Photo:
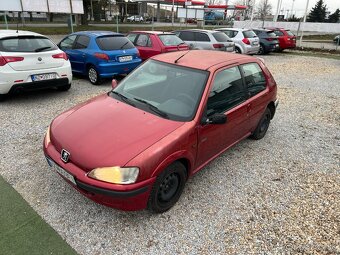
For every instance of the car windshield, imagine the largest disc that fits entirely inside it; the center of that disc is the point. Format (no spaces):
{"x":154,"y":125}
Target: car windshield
{"x":249,"y":34}
{"x":114,"y":43}
{"x":170,"y":40}
{"x":221,"y":37}
{"x":166,"y":90}
{"x":289,"y":33}
{"x":26,"y":44}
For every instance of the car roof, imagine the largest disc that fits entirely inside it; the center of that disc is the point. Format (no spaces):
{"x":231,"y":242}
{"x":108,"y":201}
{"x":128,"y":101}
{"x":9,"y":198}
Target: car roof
{"x":197,"y":30}
{"x":262,"y":29}
{"x":96,"y":33}
{"x":276,"y":28}
{"x":11,"y":32}
{"x":201,"y":59}
{"x":153,"y":32}
{"x":233,"y":29}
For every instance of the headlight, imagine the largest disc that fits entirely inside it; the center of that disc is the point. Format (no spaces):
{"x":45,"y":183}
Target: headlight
{"x":116,"y":174}
{"x":47,"y":137}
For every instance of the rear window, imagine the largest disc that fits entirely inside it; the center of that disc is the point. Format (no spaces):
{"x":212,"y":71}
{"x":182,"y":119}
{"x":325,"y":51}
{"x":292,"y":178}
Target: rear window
{"x":289,"y":33}
{"x":170,"y":40}
{"x":249,"y":34}
{"x":26,"y":44}
{"x":221,"y":37}
{"x":278,"y":33}
{"x":271,"y":34}
{"x":114,"y":43}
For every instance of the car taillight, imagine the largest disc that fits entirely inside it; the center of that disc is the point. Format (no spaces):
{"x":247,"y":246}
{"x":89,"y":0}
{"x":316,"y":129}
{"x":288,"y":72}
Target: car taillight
{"x":246,"y":41}
{"x":7,"y":59}
{"x":218,"y":45}
{"x":60,"y":55}
{"x":101,"y":56}
{"x":270,"y":39}
{"x":138,"y":54}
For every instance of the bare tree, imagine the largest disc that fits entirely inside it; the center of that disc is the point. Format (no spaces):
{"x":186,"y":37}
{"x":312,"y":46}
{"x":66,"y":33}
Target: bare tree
{"x":264,"y":9}
{"x":213,"y":2}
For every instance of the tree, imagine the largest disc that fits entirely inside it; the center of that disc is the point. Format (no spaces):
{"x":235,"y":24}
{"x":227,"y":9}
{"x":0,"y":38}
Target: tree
{"x":318,"y":12}
{"x":87,"y":7}
{"x":334,"y":17}
{"x":294,"y":19}
{"x":264,"y":9}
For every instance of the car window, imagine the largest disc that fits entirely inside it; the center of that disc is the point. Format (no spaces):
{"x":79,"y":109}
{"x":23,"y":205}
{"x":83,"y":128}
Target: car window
{"x":249,"y":34}
{"x":187,"y":36}
{"x":26,"y":44}
{"x":221,"y":37}
{"x":173,"y":89}
{"x":68,"y":42}
{"x":289,"y":33}
{"x":132,"y":37}
{"x":170,"y":40}
{"x":82,"y":42}
{"x":271,"y":34}
{"x":227,"y":91}
{"x":143,"y":40}
{"x":254,"y":78}
{"x":278,"y":33}
{"x":114,"y":42}
{"x":230,"y":33}
{"x":201,"y":37}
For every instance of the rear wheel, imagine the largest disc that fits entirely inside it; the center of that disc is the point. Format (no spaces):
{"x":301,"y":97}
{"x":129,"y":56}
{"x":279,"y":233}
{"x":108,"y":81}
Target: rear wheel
{"x":168,"y":188}
{"x":64,"y":88}
{"x":93,"y":75}
{"x":263,"y":125}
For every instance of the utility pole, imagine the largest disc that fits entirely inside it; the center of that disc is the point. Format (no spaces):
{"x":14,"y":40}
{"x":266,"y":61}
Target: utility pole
{"x":291,"y":15}
{"x":172,"y":13}
{"x":304,"y":21}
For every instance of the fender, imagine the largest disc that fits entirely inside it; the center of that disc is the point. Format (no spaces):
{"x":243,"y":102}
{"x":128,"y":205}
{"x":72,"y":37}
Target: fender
{"x":183,"y":154}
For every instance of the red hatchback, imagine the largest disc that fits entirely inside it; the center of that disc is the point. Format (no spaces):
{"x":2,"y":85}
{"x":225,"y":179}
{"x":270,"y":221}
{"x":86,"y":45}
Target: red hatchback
{"x":151,"y":43}
{"x":136,"y":146}
{"x":287,"y":39}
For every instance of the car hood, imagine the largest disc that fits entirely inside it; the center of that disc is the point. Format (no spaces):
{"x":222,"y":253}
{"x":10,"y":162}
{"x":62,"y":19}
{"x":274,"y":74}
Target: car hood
{"x":107,"y":132}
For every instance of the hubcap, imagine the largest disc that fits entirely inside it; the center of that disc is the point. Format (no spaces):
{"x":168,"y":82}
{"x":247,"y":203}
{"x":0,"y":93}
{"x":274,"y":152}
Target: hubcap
{"x":92,"y":75}
{"x":168,"y":188}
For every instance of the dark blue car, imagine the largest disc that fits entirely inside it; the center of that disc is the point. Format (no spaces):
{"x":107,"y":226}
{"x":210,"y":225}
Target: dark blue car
{"x":100,"y":54}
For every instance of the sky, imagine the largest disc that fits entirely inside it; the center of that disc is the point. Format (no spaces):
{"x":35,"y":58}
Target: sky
{"x":299,"y":5}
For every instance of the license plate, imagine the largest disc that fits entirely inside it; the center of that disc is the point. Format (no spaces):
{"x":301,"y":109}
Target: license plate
{"x":43,"y":77}
{"x":124,"y":59}
{"x":61,"y":171}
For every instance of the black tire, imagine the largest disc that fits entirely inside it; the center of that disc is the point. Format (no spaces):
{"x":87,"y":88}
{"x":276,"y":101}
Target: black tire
{"x":263,"y":125}
{"x":168,"y":188}
{"x":3,"y":97}
{"x":64,"y":88}
{"x":238,"y":50}
{"x":262,"y":50}
{"x":93,"y":75}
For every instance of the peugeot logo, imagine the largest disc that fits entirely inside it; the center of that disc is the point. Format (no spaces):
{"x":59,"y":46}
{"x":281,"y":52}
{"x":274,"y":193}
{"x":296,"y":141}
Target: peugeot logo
{"x":39,"y":58}
{"x":65,"y":155}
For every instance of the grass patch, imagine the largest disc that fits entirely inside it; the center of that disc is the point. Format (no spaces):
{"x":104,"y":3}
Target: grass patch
{"x":313,"y":54}
{"x":23,"y":231}
{"x":320,"y":37}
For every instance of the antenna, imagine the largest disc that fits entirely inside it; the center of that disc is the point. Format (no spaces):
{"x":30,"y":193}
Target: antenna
{"x":181,"y":56}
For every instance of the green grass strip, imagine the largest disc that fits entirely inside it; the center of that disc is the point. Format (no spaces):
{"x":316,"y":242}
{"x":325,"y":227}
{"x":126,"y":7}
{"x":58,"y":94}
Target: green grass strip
{"x":22,"y":230}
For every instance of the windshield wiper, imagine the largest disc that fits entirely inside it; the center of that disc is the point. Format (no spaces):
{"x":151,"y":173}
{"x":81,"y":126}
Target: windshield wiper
{"x":124,"y":44}
{"x":42,"y":48}
{"x":124,"y":98}
{"x":153,"y":108}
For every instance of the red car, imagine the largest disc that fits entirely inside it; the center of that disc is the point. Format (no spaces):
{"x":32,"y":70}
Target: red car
{"x":151,"y":43}
{"x":136,"y":146}
{"x":287,"y":40}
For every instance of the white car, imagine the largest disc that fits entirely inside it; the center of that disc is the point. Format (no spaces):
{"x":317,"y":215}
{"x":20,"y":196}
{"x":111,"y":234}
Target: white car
{"x":135,"y":18}
{"x":30,"y":61}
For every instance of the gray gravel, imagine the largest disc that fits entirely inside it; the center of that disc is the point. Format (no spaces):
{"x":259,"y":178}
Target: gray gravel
{"x":279,"y":195}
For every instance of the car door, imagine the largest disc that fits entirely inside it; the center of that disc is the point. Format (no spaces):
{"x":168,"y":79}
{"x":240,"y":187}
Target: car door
{"x":227,"y":96}
{"x":66,"y":45}
{"x":257,"y":90}
{"x":80,"y":53}
{"x":144,"y":46}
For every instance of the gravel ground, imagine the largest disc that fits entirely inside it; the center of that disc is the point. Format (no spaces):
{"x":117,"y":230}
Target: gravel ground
{"x":279,"y":195}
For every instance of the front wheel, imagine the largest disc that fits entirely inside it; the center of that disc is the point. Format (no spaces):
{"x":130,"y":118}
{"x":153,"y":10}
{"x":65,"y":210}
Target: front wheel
{"x":93,"y":75}
{"x":167,"y":188}
{"x":238,"y":50}
{"x":262,"y":50}
{"x":262,"y":126}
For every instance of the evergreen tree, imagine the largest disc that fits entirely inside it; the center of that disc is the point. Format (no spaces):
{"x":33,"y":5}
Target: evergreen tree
{"x":334,"y":17}
{"x":318,"y":12}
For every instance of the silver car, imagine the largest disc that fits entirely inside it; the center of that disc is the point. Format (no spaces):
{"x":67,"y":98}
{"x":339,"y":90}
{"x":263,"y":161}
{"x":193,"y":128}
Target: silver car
{"x":199,"y":39}
{"x":246,"y":41}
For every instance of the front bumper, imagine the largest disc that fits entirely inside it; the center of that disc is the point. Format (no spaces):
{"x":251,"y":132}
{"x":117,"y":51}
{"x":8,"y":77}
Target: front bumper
{"x":129,"y":197}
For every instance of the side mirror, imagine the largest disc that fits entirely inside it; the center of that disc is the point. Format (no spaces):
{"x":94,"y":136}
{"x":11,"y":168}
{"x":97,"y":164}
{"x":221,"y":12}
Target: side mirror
{"x":217,"y":118}
{"x":114,"y":83}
